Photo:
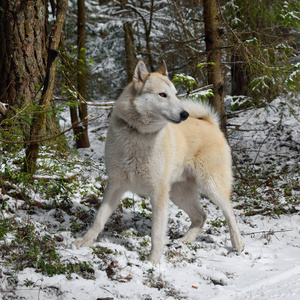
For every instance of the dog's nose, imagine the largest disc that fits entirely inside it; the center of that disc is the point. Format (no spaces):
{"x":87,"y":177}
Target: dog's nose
{"x":184,"y":115}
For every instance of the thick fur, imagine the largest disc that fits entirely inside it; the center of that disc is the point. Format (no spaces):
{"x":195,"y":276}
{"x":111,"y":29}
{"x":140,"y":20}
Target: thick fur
{"x":151,"y":149}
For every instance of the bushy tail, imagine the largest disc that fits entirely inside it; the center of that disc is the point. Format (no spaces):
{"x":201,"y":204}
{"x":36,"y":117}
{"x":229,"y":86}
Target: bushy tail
{"x":201,"y":110}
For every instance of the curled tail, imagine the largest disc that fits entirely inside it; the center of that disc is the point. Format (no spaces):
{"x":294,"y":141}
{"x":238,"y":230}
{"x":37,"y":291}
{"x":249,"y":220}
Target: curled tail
{"x":201,"y":110}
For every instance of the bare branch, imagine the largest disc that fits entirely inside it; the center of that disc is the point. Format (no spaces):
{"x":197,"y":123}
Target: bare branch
{"x":44,"y":139}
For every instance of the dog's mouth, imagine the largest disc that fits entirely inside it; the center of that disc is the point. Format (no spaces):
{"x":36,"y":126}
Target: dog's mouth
{"x":183,"y":116}
{"x":172,"y":121}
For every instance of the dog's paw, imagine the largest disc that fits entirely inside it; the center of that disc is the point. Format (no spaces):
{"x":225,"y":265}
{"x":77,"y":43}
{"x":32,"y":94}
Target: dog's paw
{"x":154,"y":259}
{"x":187,"y":238}
{"x":83,"y":242}
{"x":191,"y":235}
{"x":238,"y":245}
{"x":181,"y":240}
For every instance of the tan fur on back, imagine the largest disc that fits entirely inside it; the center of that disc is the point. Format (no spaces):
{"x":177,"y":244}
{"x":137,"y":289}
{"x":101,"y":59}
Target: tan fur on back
{"x":200,"y":110}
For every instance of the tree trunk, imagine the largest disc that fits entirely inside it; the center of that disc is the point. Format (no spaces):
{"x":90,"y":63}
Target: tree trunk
{"x":213,"y":49}
{"x":39,"y":117}
{"x":23,"y":50}
{"x":148,"y":41}
{"x":81,"y":131}
{"x":148,"y":28}
{"x":240,"y":77}
{"x":129,"y":45}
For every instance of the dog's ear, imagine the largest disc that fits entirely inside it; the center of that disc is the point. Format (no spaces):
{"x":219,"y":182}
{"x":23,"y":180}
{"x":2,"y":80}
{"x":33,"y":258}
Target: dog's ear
{"x":140,"y":73}
{"x":162,"y":69}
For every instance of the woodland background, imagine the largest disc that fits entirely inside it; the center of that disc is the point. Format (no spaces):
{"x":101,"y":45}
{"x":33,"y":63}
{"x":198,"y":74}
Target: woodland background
{"x":63,"y":64}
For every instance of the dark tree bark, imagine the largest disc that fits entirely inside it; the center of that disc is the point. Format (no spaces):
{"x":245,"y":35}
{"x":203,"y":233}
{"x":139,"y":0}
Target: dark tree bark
{"x":148,"y":41}
{"x":213,"y":48}
{"x":23,"y":49}
{"x":240,"y":76}
{"x":129,"y":45}
{"x":147,"y":28}
{"x":81,"y":131}
{"x":39,"y":117}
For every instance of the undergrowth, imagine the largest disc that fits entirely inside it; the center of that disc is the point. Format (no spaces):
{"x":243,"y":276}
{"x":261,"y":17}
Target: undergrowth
{"x":26,"y":246}
{"x":266,"y":189}
{"x":37,"y":212}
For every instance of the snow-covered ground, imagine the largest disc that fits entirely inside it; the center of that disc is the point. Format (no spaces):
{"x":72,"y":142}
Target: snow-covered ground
{"x":268,"y":268}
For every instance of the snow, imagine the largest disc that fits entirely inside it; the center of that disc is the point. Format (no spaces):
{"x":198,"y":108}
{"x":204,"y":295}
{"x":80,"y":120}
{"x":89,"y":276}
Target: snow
{"x":268,"y":268}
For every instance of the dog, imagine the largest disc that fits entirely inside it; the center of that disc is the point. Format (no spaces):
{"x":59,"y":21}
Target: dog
{"x":161,"y":147}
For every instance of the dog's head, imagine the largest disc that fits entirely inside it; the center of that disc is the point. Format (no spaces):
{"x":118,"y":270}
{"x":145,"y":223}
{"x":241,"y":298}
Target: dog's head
{"x":156,"y":95}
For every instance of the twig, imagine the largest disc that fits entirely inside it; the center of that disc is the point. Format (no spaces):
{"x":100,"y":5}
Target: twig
{"x":238,"y":126}
{"x":267,"y":231}
{"x":87,"y":103}
{"x":18,"y":113}
{"x":45,"y":139}
{"x":238,"y":169}
{"x":267,"y":136}
{"x":6,"y":90}
{"x":204,"y":88}
{"x":106,"y":290}
{"x":57,"y":178}
{"x":233,"y":33}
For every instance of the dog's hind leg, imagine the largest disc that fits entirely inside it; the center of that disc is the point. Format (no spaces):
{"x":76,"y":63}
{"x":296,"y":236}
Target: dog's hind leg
{"x":112,"y":195}
{"x":159,"y":202}
{"x":218,"y":192}
{"x":184,"y":195}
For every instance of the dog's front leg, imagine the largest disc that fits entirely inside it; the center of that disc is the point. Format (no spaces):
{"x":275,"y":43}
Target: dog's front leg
{"x":112,"y":195}
{"x":159,"y":225}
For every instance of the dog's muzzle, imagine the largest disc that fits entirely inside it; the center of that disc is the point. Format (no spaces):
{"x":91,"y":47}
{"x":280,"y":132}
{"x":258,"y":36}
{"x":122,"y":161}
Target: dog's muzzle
{"x":184,"y":115}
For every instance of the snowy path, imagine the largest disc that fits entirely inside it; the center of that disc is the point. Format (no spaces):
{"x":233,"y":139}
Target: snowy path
{"x":269,"y":268}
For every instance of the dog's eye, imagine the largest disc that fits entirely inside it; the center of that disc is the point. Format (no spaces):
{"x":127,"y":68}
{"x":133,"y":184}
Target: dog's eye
{"x":164,"y":95}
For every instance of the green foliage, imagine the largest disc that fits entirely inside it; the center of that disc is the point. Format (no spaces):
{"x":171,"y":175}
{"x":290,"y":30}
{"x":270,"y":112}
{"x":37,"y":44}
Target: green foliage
{"x":187,"y":84}
{"x":217,"y":223}
{"x":260,"y":33}
{"x":30,"y":248}
{"x":102,"y":252}
{"x":15,"y":133}
{"x":75,"y":227}
{"x":128,"y":203}
{"x":6,"y":225}
{"x":145,"y":242}
{"x":264,"y":43}
{"x":102,"y":138}
{"x":265,"y":190}
{"x":70,"y":64}
{"x":293,"y":77}
{"x":55,"y":179}
{"x":15,"y":128}
{"x":37,"y":251}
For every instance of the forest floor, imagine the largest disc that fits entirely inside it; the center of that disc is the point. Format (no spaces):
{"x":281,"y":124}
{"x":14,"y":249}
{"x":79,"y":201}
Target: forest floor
{"x":40,"y":218}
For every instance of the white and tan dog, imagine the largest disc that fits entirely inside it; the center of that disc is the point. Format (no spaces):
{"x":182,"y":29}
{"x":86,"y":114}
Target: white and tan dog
{"x":148,"y":152}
